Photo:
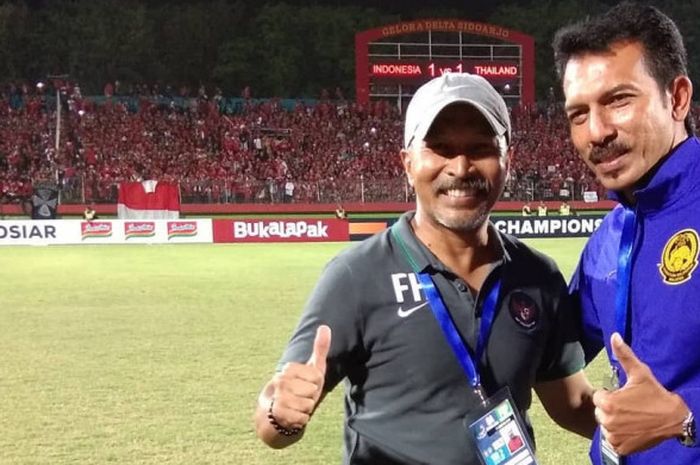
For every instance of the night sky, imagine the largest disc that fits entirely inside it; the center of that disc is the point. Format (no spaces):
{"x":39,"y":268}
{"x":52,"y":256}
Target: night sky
{"x":473,"y":9}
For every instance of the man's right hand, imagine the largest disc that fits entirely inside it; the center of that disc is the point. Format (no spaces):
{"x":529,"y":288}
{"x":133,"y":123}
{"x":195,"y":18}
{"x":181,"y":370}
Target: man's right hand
{"x":297,"y":389}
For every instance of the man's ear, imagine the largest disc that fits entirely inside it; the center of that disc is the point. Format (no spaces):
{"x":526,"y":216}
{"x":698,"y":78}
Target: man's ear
{"x":681,"y":97}
{"x":407,"y":162}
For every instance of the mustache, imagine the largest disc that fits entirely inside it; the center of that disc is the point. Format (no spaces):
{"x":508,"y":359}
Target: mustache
{"x":473,"y":183}
{"x":609,"y":151}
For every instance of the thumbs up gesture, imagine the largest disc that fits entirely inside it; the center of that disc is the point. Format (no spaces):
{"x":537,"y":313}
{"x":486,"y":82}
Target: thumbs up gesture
{"x":299,"y":386}
{"x":641,"y":413}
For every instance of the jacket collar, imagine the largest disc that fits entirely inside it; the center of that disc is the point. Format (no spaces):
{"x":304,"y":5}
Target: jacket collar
{"x":673,"y":176}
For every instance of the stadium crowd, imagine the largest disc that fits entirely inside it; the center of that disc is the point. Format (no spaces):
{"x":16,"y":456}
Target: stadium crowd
{"x":333,"y":150}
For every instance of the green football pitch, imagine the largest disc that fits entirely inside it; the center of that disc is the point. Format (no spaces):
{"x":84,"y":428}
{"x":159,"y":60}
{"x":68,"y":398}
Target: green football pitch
{"x":155,"y":354}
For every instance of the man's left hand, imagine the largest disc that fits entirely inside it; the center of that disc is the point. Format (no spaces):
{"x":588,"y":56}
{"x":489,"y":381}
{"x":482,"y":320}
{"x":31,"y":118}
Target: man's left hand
{"x":640,"y":414}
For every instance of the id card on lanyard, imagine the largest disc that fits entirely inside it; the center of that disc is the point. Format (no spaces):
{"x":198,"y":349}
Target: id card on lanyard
{"x":624,"y":273}
{"x":498,"y":433}
{"x":495,"y":428}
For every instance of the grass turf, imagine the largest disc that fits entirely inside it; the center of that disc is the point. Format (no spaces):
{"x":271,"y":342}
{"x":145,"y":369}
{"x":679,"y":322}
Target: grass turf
{"x":155,"y":354}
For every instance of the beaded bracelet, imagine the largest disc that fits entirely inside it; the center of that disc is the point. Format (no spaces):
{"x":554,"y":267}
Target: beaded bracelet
{"x":279,"y":428}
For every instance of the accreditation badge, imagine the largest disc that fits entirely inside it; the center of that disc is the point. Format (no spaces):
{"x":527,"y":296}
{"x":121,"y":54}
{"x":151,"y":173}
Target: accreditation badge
{"x":608,"y":456}
{"x":498,"y":433}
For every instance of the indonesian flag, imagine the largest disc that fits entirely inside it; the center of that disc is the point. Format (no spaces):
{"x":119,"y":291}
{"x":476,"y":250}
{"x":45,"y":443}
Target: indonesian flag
{"x":148,"y":200}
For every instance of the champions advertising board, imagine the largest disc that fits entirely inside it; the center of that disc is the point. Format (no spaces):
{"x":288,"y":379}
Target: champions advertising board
{"x":52,"y":232}
{"x":518,"y":226}
{"x":281,"y":230}
{"x":547,"y":226}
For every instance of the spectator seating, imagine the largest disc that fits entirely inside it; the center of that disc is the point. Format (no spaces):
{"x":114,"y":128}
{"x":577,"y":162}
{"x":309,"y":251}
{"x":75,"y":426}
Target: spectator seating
{"x":331,"y":151}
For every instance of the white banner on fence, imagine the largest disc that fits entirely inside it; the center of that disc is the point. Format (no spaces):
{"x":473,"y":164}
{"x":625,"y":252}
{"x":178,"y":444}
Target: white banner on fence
{"x":590,"y":196}
{"x":50,"y":232}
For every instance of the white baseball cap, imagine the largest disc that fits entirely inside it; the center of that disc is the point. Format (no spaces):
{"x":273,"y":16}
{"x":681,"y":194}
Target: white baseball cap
{"x":432,"y":97}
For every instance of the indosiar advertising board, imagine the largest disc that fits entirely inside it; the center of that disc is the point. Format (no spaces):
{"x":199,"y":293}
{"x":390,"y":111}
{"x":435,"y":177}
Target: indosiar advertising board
{"x":54,"y":232}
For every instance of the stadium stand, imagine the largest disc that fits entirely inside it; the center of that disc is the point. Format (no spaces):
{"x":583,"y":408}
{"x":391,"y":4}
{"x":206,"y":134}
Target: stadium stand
{"x":330,"y":151}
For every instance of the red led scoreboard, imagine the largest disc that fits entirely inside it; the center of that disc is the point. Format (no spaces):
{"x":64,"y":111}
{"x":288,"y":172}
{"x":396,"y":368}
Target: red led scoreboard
{"x":421,"y":71}
{"x":393,"y":61}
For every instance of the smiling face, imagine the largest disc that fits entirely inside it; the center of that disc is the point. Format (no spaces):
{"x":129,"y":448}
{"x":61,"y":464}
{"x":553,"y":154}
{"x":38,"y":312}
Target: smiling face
{"x":458,"y":171}
{"x":621,"y":122}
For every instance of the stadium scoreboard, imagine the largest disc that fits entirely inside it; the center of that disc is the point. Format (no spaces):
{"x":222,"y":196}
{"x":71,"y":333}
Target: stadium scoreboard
{"x":421,"y":71}
{"x":394,"y":60}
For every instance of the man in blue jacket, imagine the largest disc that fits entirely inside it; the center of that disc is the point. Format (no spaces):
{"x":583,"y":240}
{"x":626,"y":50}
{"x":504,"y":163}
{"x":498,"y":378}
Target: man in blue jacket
{"x":628,"y":99}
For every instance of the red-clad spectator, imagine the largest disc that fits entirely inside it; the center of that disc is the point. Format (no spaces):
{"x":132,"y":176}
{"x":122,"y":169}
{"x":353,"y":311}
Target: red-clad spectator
{"x":108,"y":90}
